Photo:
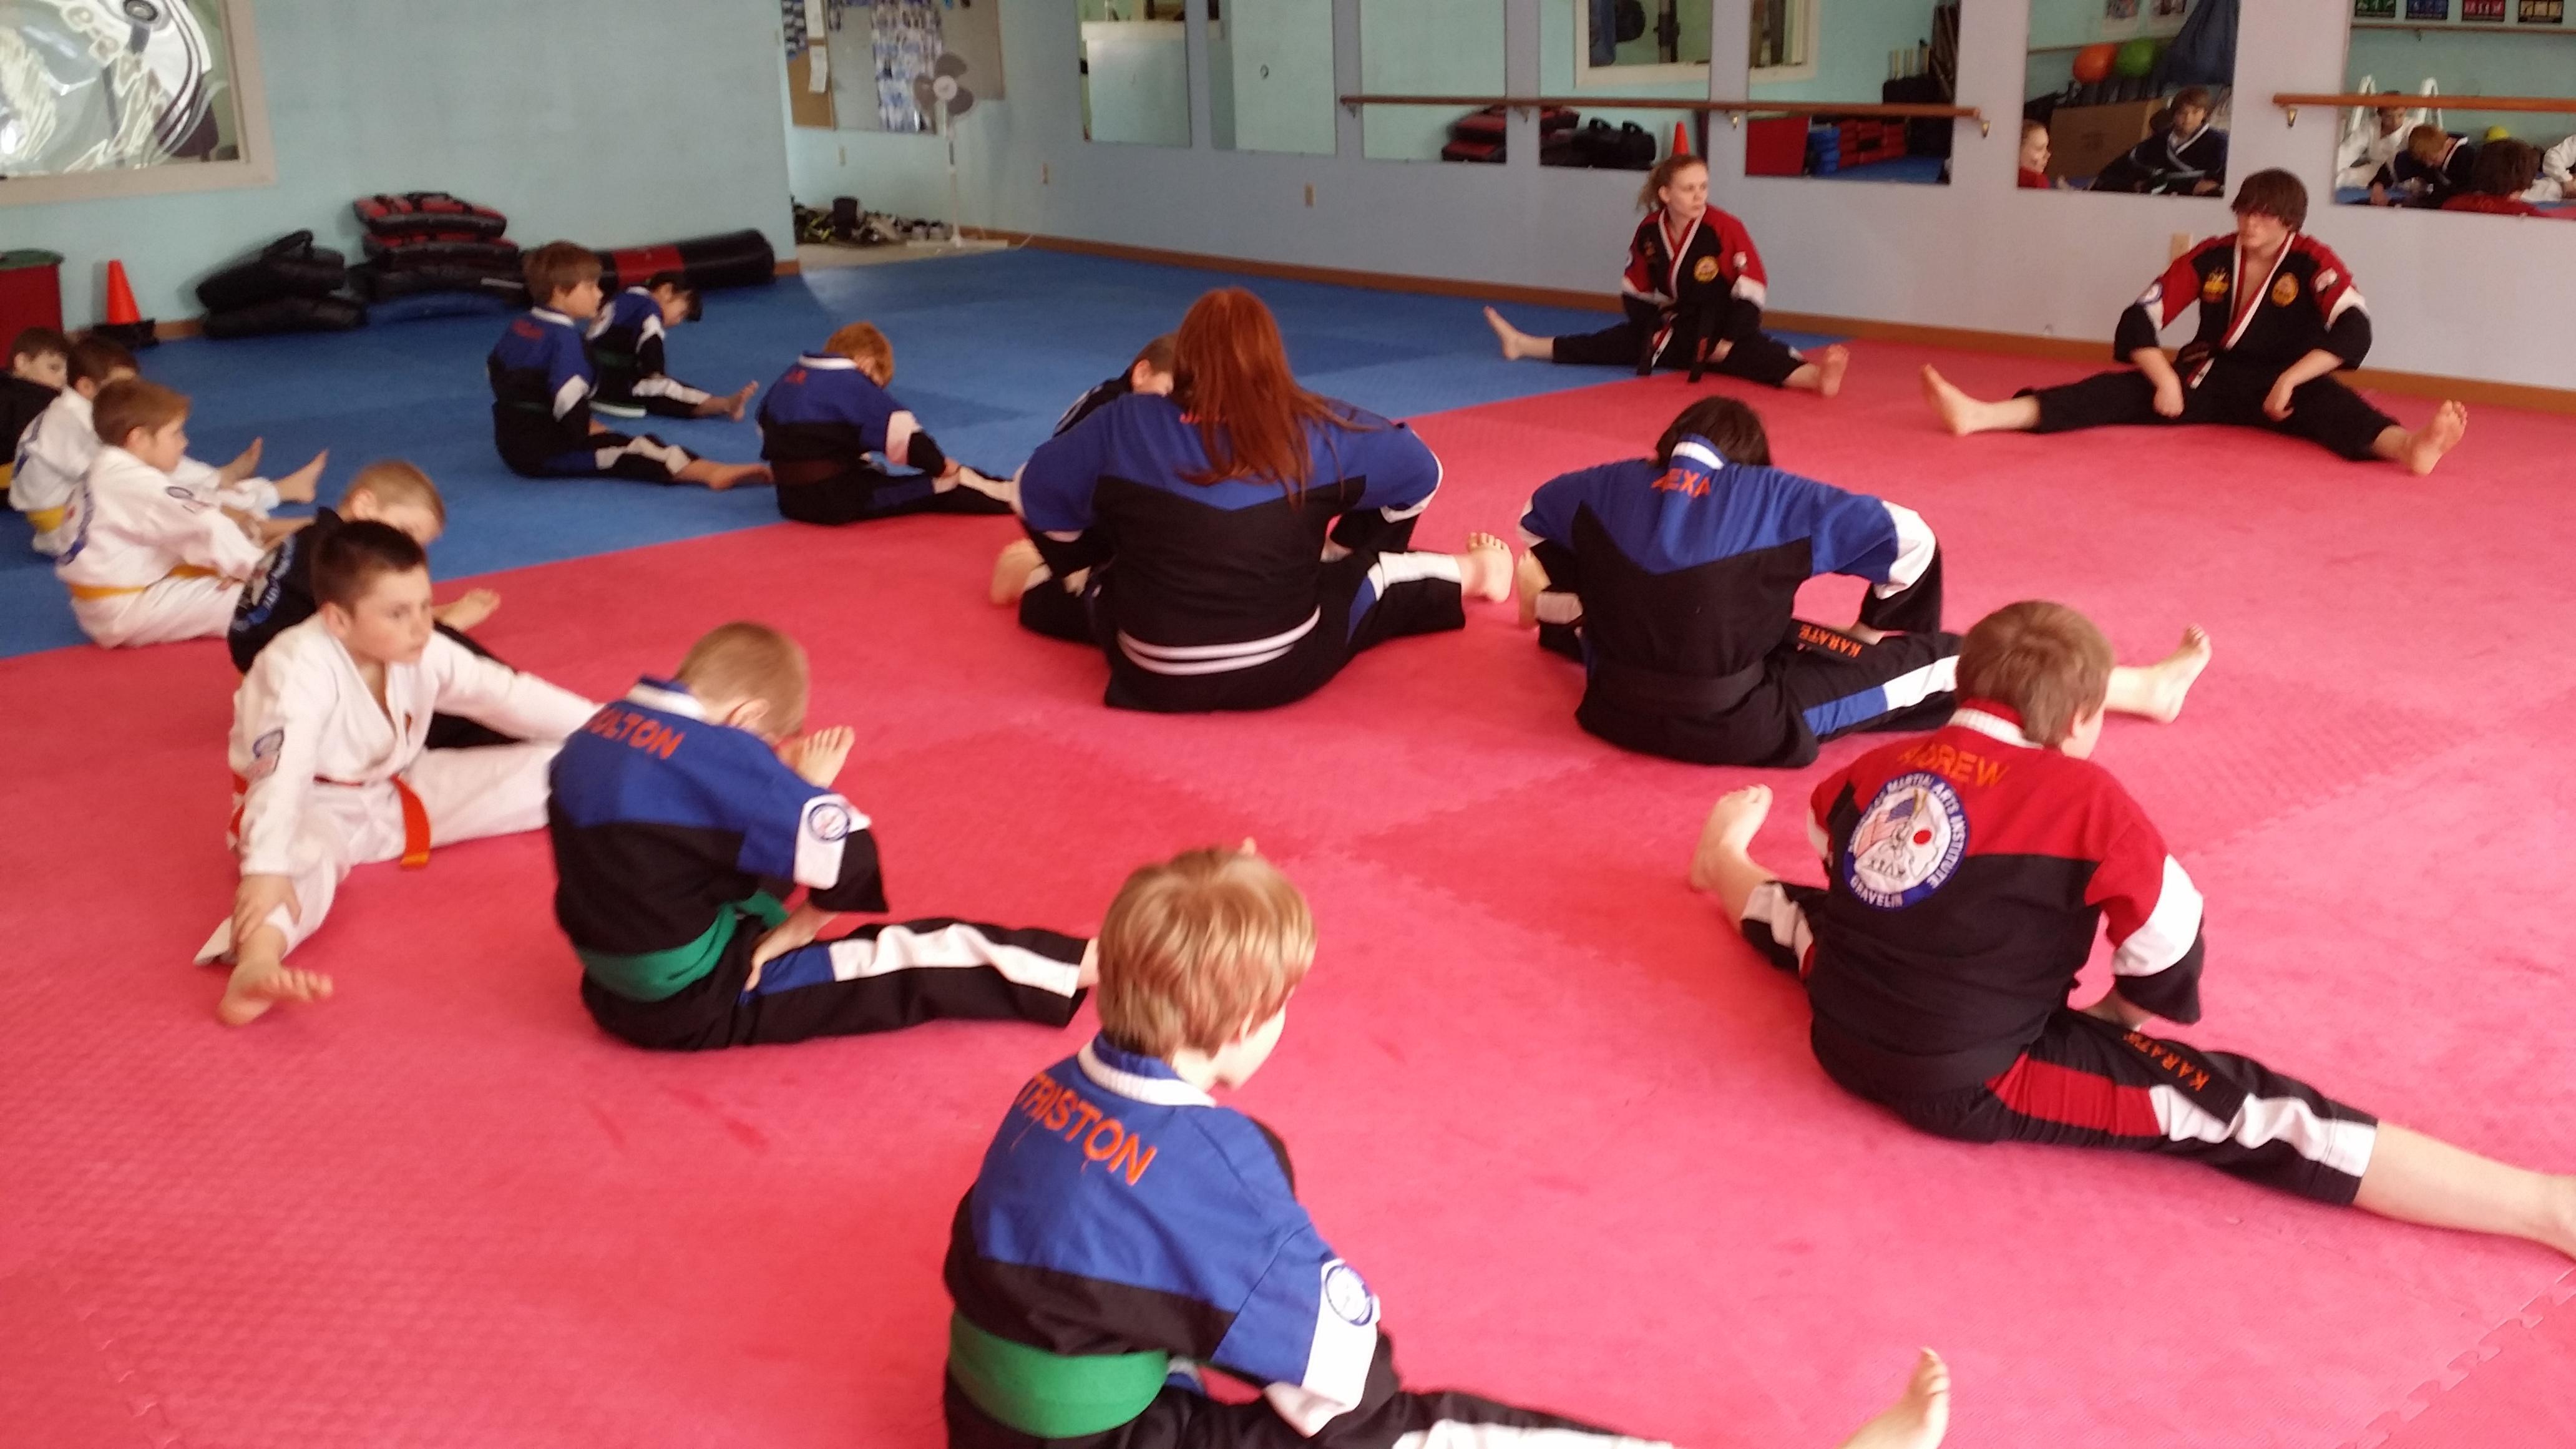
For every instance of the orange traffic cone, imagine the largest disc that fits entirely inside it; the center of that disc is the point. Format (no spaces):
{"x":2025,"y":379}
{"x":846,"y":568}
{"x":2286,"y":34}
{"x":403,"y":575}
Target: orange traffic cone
{"x":1681,"y":139}
{"x":121,"y":310}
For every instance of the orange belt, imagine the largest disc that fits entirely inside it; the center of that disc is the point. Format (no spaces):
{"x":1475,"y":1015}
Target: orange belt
{"x":415,"y":815}
{"x":102,"y":591}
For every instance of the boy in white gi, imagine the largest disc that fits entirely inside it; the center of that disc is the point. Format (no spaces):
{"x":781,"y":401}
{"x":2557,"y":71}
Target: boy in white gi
{"x":329,"y":764}
{"x":57,"y":449}
{"x":146,"y":558}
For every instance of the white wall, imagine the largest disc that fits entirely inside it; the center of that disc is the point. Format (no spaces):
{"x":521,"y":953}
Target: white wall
{"x":2466,"y":296}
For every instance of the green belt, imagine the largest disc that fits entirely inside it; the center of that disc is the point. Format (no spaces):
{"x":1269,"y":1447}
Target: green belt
{"x":661,"y":975}
{"x":1051,"y":1395}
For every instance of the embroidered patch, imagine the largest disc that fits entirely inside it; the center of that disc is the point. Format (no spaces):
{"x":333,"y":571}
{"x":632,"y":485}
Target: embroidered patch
{"x":2285,"y":291}
{"x":828,"y":821}
{"x":187,"y":498}
{"x":1908,"y":842}
{"x":263,"y":754}
{"x":1706,"y":271}
{"x":1348,"y":1295}
{"x":2326,"y":279}
{"x":2213,"y":286}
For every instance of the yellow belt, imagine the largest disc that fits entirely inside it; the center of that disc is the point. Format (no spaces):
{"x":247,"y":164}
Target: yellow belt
{"x":101,"y":591}
{"x":46,"y":520}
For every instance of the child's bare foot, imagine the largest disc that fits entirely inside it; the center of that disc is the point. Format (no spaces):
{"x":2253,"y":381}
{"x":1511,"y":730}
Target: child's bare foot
{"x":1831,"y":364}
{"x":1517,"y":344}
{"x":243,"y":466}
{"x":1957,"y":409}
{"x":731,"y":404}
{"x":2427,"y":444}
{"x":1485,"y":569}
{"x":1012,"y":569}
{"x":721,"y":476}
{"x":256,"y":986}
{"x":299,"y":486}
{"x":1728,"y":833}
{"x":1529,"y":580}
{"x":2170,"y":678}
{"x":1919,"y":1418}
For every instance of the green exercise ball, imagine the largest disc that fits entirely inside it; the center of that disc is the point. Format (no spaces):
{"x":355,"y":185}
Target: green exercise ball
{"x":2138,"y":58}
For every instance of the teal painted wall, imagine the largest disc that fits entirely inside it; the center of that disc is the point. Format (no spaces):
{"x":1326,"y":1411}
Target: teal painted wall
{"x":609,"y":121}
{"x":1427,"y":48}
{"x":2475,"y":60}
{"x":1290,"y":108}
{"x":1851,"y":54}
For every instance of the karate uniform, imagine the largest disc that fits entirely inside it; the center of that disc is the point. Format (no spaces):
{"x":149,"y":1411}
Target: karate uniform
{"x":830,"y":434}
{"x":2361,"y":154}
{"x":673,"y":838}
{"x":326,"y":780}
{"x":1676,"y":586}
{"x":1093,"y":401}
{"x":1210,"y":596}
{"x":147,"y":559}
{"x":55,"y":453}
{"x":2557,"y":180}
{"x":2420,"y":183}
{"x":541,"y":389}
{"x":626,"y":351}
{"x":279,"y":596}
{"x":1967,"y":875}
{"x":21,"y":403}
{"x":2168,"y":165}
{"x":1704,"y":282}
{"x":2252,"y":328}
{"x":1125,"y":1230}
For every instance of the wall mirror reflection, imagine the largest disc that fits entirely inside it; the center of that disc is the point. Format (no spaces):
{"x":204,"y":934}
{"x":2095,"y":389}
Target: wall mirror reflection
{"x":1612,"y":50}
{"x":2129,"y":95}
{"x":1429,"y":48}
{"x":876,"y":51}
{"x":1135,"y":72}
{"x":1270,"y":75}
{"x":1890,"y":52}
{"x":2431,"y":153}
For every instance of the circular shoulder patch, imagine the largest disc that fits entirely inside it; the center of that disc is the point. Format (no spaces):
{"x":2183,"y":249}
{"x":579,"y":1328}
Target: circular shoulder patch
{"x":1908,"y":842}
{"x":2285,"y":291}
{"x":1348,"y":1295}
{"x":829,"y":820}
{"x":1706,"y":271}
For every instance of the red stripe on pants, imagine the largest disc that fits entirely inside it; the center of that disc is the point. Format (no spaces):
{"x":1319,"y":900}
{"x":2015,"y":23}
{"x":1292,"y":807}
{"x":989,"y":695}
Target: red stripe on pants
{"x":2052,"y":1093}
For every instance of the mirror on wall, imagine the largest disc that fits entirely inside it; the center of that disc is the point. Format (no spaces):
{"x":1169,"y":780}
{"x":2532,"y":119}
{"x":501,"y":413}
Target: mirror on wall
{"x":1428,"y":48}
{"x":1607,"y":51}
{"x":169,"y":96}
{"x":2129,"y":95}
{"x":877,"y":49}
{"x":1270,"y":75}
{"x":1135,"y":72}
{"x":2428,"y":154}
{"x":1886,"y":52}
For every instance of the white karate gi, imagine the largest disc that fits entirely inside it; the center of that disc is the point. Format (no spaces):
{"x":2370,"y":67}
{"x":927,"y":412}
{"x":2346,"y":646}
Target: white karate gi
{"x":55,"y":454}
{"x":148,"y":559}
{"x":326,"y":780}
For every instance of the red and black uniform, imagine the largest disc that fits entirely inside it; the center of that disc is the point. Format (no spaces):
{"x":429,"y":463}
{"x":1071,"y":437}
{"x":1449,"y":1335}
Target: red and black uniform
{"x":2252,"y":328}
{"x":1967,"y":874}
{"x":1684,"y":285}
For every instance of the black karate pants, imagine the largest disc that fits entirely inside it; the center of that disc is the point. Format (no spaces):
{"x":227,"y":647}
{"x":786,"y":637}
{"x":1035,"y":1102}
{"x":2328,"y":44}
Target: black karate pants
{"x":2323,"y":410}
{"x":455,"y":732}
{"x":860,"y":493}
{"x":1756,"y":357}
{"x":1363,"y":599}
{"x":876,"y":978}
{"x":609,"y":455}
{"x":1183,"y":1418}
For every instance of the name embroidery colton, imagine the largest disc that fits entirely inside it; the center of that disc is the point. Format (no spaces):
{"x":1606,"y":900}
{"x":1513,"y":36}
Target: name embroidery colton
{"x":1908,"y":842}
{"x":641,"y":731}
{"x":1104,"y":1139}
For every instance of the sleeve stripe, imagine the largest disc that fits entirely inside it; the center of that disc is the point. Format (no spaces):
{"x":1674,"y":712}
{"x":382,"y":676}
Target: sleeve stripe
{"x":1914,"y":549}
{"x":2167,"y":934}
{"x":569,"y":396}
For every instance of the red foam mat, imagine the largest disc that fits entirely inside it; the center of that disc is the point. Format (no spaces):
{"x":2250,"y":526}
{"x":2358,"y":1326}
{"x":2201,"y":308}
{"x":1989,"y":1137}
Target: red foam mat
{"x":1566,"y":1123}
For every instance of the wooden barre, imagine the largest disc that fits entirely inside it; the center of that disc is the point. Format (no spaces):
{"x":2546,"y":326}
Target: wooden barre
{"x":2404,"y":101}
{"x":1736,"y":111}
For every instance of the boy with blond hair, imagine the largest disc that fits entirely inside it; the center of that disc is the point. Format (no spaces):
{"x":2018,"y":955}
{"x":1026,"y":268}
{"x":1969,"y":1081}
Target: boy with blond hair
{"x":280,"y":593}
{"x":1967,"y":874}
{"x":681,"y":817}
{"x":331,"y":762}
{"x":1126,"y":1229}
{"x":831,"y":432}
{"x":543,"y":381}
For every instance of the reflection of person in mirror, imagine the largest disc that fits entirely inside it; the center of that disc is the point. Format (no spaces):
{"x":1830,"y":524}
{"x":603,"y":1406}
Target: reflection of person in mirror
{"x":2279,"y":313}
{"x":2034,"y":158}
{"x":2434,"y":166}
{"x":2505,"y":170}
{"x":2366,"y":149}
{"x":2186,"y":157}
{"x":2557,"y":174}
{"x":1693,"y":290}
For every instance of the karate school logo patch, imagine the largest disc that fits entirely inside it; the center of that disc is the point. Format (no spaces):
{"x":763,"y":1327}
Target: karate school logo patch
{"x":1348,"y":1295}
{"x":1706,"y":271}
{"x":829,"y":821}
{"x":263,"y":754}
{"x":2213,"y":286}
{"x":1908,"y":843}
{"x":2285,"y":291}
{"x":187,"y":497}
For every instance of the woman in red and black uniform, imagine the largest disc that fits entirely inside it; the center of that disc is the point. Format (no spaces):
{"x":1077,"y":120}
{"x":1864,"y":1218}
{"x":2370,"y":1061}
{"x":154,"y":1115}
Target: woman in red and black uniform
{"x":1693,"y":291}
{"x":2279,"y":315}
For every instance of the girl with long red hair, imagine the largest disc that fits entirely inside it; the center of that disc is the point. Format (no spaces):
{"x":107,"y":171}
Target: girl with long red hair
{"x":1231,"y":546}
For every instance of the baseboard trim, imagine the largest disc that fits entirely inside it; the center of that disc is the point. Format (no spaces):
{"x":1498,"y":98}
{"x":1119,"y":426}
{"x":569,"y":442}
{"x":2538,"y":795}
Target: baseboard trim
{"x":787,"y":267}
{"x":2015,"y":344}
{"x":173,"y":331}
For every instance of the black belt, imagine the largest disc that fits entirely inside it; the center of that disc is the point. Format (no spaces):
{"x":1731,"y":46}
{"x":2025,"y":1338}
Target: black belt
{"x":1653,"y":691}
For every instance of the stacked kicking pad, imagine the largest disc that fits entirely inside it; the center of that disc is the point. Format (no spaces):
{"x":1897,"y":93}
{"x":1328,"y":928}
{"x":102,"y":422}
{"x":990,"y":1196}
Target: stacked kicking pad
{"x":290,"y":285}
{"x":433,"y":245}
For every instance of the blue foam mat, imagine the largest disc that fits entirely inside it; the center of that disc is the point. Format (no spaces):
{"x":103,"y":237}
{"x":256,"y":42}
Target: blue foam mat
{"x":990,"y":348}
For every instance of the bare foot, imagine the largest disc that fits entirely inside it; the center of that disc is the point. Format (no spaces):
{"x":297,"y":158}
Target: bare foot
{"x":722,"y":476}
{"x":298,"y":486}
{"x":243,"y":466}
{"x":1485,"y":569}
{"x":1012,"y":570}
{"x":1728,"y":832}
{"x":2429,"y":442}
{"x":1954,"y":406}
{"x":1529,"y":580}
{"x":1517,"y":344}
{"x":1831,"y":364}
{"x":735,"y":404}
{"x":1919,"y":1418}
{"x":2169,"y":679}
{"x":1863,"y":632}
{"x":254,"y":988}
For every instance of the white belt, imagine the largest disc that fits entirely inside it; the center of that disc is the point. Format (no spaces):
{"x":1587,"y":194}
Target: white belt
{"x":1213,"y":658}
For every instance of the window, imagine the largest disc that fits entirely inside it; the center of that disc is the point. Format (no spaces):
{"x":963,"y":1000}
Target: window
{"x":1784,"y":40}
{"x":1644,"y":42}
{"x":102,"y":98}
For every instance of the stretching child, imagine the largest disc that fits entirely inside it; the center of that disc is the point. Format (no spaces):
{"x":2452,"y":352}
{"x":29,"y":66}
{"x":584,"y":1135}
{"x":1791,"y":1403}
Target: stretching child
{"x":1968,"y":872}
{"x":280,"y":593}
{"x":626,"y":346}
{"x":1674,"y":579}
{"x":2279,"y":315}
{"x":58,"y":448}
{"x":1020,"y":566}
{"x":830,"y":431}
{"x":1150,"y":373}
{"x":39,"y":365}
{"x":331,"y":763}
{"x":147,"y":559}
{"x":1126,"y":1230}
{"x":542,"y":383}
{"x":683,"y":812}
